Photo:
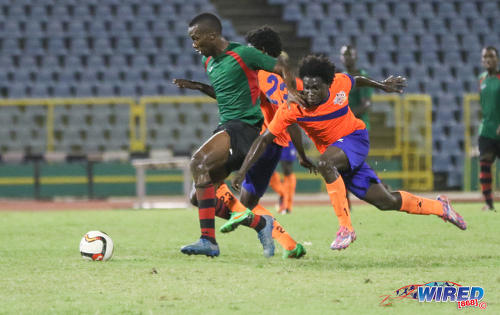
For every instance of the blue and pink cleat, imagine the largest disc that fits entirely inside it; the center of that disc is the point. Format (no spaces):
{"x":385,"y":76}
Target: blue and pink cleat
{"x":344,"y":238}
{"x":450,"y":215}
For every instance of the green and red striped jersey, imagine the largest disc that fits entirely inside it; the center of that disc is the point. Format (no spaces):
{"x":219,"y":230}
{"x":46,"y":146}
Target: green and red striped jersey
{"x":233,"y":75}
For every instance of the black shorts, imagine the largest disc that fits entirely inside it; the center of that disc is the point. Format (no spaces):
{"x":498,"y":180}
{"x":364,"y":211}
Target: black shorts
{"x":242,"y":136}
{"x":488,"y":145}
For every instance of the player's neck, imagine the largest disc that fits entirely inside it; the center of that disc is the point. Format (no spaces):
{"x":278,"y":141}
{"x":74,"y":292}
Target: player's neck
{"x":352,"y":69}
{"x":493,"y":71}
{"x":221,"y":45}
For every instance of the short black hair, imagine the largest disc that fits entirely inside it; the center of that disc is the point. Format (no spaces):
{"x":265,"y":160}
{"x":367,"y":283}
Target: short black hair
{"x":317,"y":66}
{"x":210,"y":20}
{"x":492,"y":48}
{"x":267,"y":39}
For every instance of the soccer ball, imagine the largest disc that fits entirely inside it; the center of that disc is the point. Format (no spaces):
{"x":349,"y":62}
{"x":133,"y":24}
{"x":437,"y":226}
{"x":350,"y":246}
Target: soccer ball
{"x":96,"y":245}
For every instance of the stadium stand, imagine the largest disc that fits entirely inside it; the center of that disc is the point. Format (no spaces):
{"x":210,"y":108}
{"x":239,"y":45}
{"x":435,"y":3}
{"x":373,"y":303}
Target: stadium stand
{"x":133,"y":48}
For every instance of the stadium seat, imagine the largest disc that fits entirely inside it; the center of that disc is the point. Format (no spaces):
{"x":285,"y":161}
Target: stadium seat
{"x":402,"y":10}
{"x":424,"y":10}
{"x":489,"y":9}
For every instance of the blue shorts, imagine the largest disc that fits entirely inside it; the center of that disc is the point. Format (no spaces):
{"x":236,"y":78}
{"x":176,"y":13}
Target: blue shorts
{"x":360,"y":175}
{"x":289,"y":153}
{"x":258,"y":176}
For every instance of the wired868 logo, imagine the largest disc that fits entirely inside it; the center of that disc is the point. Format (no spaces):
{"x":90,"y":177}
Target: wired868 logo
{"x":439,"y":291}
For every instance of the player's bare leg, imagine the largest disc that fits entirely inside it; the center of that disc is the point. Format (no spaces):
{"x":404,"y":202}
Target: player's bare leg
{"x":208,"y":160}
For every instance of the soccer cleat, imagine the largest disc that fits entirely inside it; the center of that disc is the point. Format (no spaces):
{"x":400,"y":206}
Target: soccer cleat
{"x":201,"y":247}
{"x":266,"y":236}
{"x":449,"y":214}
{"x":344,"y":238}
{"x":297,"y":252}
{"x":235,"y":220}
{"x":488,"y":208}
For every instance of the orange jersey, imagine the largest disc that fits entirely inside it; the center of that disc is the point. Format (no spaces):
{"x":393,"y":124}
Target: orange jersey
{"x":325,"y":123}
{"x":273,"y":95}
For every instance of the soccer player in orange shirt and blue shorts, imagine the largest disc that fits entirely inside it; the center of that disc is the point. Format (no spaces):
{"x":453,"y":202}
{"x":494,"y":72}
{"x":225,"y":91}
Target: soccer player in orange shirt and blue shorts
{"x":343,"y":142}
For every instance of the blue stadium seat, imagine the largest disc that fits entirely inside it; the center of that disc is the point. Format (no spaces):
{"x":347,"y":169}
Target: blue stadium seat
{"x":320,"y":44}
{"x":415,"y":27}
{"x":480,"y":26}
{"x":491,"y":39}
{"x":39,"y":90}
{"x":117,"y":61}
{"x":452,"y":57}
{"x":62,"y":89}
{"x":33,"y":29}
{"x":105,"y":89}
{"x":394,"y":26}
{"x":381,"y":10}
{"x":17,"y":90}
{"x":56,"y":46}
{"x":33,"y":46}
{"x":436,"y":26}
{"x":470,"y":41}
{"x":306,"y":28}
{"x":446,"y":10}
{"x":102,"y":46}
{"x":458,"y":25}
{"x":402,"y":10}
{"x":424,"y":10}
{"x":386,"y":42}
{"x":468,"y":9}
{"x":336,"y":9}
{"x":490,"y":9}
{"x":79,"y":46}
{"x":83,"y":89}
{"x":372,"y":27}
{"x":350,"y":27}
{"x":291,"y":12}
{"x":314,"y":11}
{"x":428,"y":43}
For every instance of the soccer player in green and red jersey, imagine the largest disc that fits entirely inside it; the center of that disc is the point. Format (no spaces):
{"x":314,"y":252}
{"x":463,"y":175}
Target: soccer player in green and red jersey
{"x":232,"y":71}
{"x":489,"y":130}
{"x":359,"y":97}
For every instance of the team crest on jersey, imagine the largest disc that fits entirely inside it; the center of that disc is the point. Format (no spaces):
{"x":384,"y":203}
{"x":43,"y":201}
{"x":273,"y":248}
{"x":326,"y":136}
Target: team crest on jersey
{"x":340,"y":98}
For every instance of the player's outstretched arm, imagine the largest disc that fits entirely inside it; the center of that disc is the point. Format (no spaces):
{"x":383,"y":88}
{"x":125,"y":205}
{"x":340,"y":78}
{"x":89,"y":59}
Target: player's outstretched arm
{"x":296,"y":136}
{"x":391,"y":84}
{"x":282,"y":68}
{"x":258,"y":147}
{"x":195,"y":85}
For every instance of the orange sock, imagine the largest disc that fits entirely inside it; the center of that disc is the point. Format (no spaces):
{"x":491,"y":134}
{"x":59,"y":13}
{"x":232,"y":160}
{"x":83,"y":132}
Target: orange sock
{"x":276,"y":184}
{"x":290,"y":182}
{"x":418,"y":205}
{"x":336,"y":191}
{"x":279,"y":233}
{"x":226,"y":196}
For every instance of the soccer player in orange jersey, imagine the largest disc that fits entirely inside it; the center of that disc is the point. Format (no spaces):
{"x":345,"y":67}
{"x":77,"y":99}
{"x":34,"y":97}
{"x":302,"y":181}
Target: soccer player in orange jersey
{"x":343,"y":142}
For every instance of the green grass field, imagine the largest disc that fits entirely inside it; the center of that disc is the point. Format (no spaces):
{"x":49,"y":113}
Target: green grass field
{"x":41,"y":270}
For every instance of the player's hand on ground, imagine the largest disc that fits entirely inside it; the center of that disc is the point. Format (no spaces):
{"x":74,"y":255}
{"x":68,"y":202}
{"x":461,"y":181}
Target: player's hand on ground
{"x":305,"y":162}
{"x":394,"y":84}
{"x":498,"y":131}
{"x":186,"y":84}
{"x":237,"y":180}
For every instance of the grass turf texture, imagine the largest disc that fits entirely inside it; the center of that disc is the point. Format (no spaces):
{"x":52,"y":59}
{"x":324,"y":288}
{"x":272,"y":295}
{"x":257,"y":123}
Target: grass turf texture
{"x":41,"y":270}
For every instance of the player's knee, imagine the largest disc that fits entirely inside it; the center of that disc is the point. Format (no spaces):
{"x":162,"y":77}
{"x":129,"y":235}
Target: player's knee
{"x":388,"y":203}
{"x":326,"y":167}
{"x":192,"y":197}
{"x":197,"y":165}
